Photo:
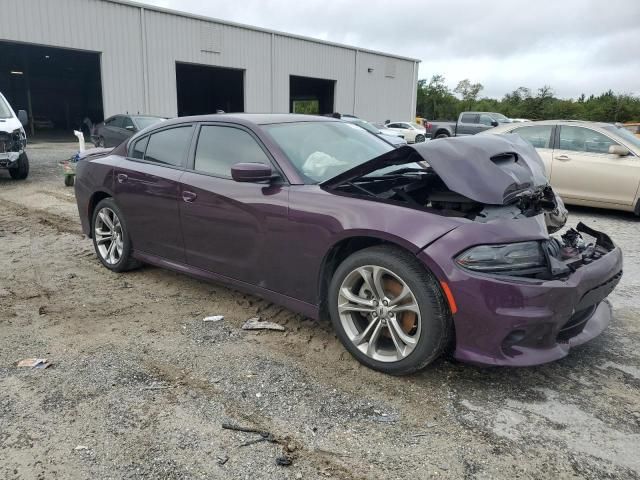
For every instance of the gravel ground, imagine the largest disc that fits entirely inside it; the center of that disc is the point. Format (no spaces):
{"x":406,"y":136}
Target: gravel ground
{"x":139,"y":386}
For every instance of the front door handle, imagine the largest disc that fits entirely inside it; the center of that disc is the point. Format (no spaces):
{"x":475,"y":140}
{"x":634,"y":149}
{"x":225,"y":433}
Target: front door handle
{"x":188,"y":196}
{"x":563,"y":157}
{"x":122,"y":177}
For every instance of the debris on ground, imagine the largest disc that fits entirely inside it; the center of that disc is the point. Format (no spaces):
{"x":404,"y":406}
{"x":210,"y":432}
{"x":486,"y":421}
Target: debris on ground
{"x":256,"y":324}
{"x":42,"y":310}
{"x":283,"y":460}
{"x":264,"y":435}
{"x":155,"y":386}
{"x":213,"y":318}
{"x":222,"y":460}
{"x":81,"y":447}
{"x":34,"y":363}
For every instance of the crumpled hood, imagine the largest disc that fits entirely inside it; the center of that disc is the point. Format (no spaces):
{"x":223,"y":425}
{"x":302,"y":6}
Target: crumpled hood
{"x":9,"y":125}
{"x":490,"y":169}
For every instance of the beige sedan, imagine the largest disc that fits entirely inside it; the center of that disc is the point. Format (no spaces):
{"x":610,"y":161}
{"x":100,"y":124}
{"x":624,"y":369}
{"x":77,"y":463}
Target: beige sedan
{"x":587,"y":163}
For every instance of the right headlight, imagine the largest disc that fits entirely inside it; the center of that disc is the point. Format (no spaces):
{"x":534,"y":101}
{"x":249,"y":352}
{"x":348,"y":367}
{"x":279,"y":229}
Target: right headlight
{"x":504,"y":257}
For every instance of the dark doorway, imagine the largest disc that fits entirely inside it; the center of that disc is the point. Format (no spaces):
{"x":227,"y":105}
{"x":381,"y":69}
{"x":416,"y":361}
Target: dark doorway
{"x":203,"y":89}
{"x":59,"y":88}
{"x":311,"y":95}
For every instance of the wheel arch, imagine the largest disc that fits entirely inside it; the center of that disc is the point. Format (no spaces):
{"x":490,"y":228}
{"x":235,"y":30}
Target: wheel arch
{"x":95,"y":198}
{"x":441,"y":131}
{"x":338,"y":252}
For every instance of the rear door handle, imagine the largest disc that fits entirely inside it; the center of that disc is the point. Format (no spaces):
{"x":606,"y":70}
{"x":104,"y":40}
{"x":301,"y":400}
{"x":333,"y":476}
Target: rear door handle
{"x":188,"y":196}
{"x":122,"y":177}
{"x":563,"y":157}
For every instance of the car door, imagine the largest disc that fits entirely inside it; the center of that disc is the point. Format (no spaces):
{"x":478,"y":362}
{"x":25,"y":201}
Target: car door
{"x":147,"y":188}
{"x":128,"y":128}
{"x":397,"y":127}
{"x":583,"y":169}
{"x":467,"y":125}
{"x":485,"y":122}
{"x":408,"y":132}
{"x":233,"y":229}
{"x":112,"y":131}
{"x":541,"y":138}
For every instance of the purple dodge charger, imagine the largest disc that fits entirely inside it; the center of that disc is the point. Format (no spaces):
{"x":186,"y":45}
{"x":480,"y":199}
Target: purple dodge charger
{"x":408,"y":250}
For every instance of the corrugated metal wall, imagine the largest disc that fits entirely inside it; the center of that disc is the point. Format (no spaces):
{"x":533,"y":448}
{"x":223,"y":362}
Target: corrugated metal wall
{"x":139,"y":48}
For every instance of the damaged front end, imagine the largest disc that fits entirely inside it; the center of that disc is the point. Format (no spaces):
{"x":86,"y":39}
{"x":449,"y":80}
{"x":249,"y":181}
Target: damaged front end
{"x":476,"y":178}
{"x":481,"y":179}
{"x":12,"y":145}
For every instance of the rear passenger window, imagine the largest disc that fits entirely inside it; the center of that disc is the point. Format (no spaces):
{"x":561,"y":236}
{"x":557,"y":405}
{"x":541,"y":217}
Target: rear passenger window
{"x":538,"y":136}
{"x":469,"y":118}
{"x":137,"y":151}
{"x":169,"y":146}
{"x":221,"y":147}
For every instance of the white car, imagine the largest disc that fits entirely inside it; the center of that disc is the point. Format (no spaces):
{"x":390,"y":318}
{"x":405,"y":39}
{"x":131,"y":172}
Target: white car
{"x":411,"y":131}
{"x":13,"y":141}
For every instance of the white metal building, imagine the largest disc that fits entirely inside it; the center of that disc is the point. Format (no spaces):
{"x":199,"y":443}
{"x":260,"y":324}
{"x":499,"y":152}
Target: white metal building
{"x":63,"y":60}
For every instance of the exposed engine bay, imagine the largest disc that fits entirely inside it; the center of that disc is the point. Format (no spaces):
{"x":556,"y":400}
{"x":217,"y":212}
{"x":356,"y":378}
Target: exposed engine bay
{"x":423,"y":188}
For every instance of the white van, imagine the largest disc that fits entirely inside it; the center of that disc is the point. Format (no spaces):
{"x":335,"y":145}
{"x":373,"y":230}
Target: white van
{"x":13,"y":141}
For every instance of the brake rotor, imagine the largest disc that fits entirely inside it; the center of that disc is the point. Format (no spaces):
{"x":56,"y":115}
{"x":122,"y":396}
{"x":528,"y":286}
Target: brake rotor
{"x":407,"y":319}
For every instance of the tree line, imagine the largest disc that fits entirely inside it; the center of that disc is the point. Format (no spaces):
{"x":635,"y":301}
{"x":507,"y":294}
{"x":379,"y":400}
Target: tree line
{"x":436,"y":101}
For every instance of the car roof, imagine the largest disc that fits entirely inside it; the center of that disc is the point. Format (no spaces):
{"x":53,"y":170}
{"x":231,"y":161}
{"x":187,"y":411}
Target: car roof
{"x":142,"y":115}
{"x":554,"y":122}
{"x":251,"y":118}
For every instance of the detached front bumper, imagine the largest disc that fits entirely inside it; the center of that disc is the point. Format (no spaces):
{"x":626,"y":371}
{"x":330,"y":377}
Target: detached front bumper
{"x":523,"y":322}
{"x":9,"y":159}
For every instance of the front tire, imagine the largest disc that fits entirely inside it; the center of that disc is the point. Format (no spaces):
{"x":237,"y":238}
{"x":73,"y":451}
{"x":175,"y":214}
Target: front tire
{"x":21,"y":170}
{"x":69,"y":180}
{"x":420,"y":138}
{"x":111,"y":237}
{"x":388,"y":310}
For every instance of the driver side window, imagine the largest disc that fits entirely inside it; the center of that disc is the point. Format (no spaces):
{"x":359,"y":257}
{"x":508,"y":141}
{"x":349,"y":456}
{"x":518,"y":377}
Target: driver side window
{"x":486,"y":120}
{"x":579,"y":139}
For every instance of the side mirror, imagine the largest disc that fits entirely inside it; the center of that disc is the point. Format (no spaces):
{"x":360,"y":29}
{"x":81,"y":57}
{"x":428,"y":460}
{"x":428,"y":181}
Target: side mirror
{"x":23,"y":117}
{"x":619,"y":150}
{"x":494,"y":123}
{"x":251,"y":172}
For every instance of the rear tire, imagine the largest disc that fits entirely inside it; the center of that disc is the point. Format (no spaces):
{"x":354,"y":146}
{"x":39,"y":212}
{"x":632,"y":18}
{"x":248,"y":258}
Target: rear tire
{"x":384,"y":338}
{"x":111,"y":238}
{"x":442,"y":135}
{"x":69,"y":180}
{"x":21,"y":171}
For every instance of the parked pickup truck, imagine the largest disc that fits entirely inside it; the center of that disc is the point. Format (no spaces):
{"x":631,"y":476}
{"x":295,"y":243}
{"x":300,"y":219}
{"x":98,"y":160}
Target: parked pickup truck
{"x":469,"y":123}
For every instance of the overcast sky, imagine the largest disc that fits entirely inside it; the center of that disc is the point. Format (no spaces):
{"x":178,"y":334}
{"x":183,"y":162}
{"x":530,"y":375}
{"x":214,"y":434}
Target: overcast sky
{"x":575,"y":46}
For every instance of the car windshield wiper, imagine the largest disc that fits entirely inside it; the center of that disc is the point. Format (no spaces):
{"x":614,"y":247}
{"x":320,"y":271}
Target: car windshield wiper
{"x":396,"y":173}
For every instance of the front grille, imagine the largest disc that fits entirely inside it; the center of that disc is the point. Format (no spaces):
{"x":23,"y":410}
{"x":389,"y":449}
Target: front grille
{"x":576,"y":324}
{"x":5,"y":142}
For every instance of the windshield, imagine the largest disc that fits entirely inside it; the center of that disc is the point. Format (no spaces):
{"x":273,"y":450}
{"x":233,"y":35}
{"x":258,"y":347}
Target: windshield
{"x":322,"y":150}
{"x":625,"y":134}
{"x":144,"y":122}
{"x":501,"y":118}
{"x":5,"y":111}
